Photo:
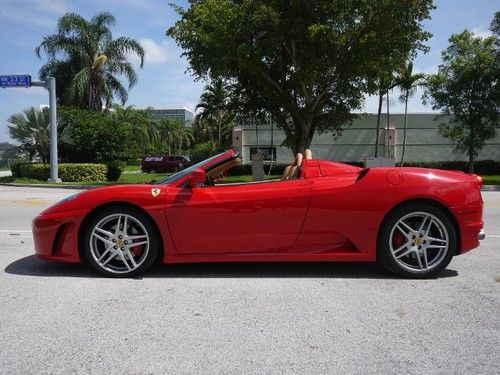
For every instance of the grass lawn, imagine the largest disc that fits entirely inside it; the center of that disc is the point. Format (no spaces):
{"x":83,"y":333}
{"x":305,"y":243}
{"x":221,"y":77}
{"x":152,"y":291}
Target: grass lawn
{"x":131,"y":168}
{"x":491,"y":180}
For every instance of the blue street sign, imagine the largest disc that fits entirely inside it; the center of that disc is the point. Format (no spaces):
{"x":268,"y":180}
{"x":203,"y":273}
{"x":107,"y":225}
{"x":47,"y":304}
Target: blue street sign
{"x":15,"y":81}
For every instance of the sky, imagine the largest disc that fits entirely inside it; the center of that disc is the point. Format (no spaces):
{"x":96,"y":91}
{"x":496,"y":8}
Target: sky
{"x":164,"y":82}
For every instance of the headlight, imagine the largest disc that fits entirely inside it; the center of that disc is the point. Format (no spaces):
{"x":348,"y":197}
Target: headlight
{"x":67,"y":199}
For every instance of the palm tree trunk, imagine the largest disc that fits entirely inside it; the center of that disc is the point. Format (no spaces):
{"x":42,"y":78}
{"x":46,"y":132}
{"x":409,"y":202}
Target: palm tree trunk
{"x":388,"y":150}
{"x":379,"y":114}
{"x":272,"y":147}
{"x":471,"y":157}
{"x":257,"y":135}
{"x":220,"y":133}
{"x":404,"y":129}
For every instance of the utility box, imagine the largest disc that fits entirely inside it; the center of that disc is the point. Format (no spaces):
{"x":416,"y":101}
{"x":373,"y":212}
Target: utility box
{"x":257,"y":167}
{"x":379,"y":162}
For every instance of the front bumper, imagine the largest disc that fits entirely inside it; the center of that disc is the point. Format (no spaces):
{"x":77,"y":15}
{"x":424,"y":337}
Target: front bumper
{"x":55,"y":237}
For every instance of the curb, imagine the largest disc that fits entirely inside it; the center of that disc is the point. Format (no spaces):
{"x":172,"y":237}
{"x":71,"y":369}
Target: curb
{"x":53,"y":186}
{"x":490,"y":188}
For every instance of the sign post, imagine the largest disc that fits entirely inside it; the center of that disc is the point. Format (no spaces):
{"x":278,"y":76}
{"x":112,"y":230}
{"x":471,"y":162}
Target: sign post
{"x":50,"y":84}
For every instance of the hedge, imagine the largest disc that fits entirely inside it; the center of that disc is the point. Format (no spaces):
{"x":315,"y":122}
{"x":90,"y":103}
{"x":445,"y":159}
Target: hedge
{"x":67,"y":172}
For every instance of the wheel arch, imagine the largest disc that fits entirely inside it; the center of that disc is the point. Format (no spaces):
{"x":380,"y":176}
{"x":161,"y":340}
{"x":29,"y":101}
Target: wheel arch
{"x":431,"y":202}
{"x":107,"y":205}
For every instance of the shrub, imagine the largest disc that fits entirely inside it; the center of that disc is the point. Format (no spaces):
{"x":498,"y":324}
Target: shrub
{"x":82,"y":172}
{"x":114,"y":171}
{"x":67,"y":172}
{"x":15,"y":167}
{"x":35,"y":171}
{"x":202,"y":151}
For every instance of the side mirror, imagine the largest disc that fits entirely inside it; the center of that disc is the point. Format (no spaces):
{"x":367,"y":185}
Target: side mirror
{"x":198,"y":176}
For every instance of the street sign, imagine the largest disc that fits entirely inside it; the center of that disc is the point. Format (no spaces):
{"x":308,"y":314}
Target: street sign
{"x":15,"y":81}
{"x":265,"y":151}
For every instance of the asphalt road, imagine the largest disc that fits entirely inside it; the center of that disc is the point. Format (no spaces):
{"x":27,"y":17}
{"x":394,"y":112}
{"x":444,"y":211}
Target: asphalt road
{"x":243,"y":318}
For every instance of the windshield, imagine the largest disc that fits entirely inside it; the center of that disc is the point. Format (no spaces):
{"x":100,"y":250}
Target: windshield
{"x":177,"y":176}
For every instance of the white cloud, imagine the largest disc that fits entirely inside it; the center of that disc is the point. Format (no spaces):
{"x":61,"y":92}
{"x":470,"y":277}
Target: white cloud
{"x":483,"y":33}
{"x":56,"y":7}
{"x":156,"y":53}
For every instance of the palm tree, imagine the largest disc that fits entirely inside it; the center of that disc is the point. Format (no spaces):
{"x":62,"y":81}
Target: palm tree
{"x":141,"y":121}
{"x":214,"y":105}
{"x":31,"y":129}
{"x":88,"y":63}
{"x":407,"y":82}
{"x":384,"y":84}
{"x":173,"y":133}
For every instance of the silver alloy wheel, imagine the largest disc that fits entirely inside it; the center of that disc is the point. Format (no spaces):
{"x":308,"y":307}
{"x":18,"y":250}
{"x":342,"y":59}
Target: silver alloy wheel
{"x":419,"y":241}
{"x":119,"y":243}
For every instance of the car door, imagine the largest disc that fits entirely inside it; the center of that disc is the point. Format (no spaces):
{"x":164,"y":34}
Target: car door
{"x":238,"y":218}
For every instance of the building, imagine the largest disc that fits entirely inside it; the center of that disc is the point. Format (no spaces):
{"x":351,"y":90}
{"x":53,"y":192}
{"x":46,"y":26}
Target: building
{"x":423,"y":142}
{"x":183,"y":114}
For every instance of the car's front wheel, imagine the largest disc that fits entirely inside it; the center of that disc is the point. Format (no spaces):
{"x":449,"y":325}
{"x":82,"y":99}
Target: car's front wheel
{"x":417,"y":241}
{"x":120,"y":242}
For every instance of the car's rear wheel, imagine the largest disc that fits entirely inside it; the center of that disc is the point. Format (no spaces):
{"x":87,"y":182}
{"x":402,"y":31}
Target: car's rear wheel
{"x":417,"y":241}
{"x":121,"y":242}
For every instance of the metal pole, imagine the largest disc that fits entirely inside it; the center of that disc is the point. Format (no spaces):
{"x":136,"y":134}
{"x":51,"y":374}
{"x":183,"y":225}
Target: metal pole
{"x":51,"y":85}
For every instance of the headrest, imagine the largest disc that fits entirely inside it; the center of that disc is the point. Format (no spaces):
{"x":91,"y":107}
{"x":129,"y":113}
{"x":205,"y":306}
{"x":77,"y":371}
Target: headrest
{"x":298,"y":159}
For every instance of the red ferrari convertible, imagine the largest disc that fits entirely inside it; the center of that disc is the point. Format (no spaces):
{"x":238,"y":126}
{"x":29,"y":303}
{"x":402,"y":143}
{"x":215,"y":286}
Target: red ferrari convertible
{"x":412,"y":220}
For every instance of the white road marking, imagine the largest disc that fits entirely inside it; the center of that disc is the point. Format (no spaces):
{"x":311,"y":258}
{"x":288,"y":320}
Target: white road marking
{"x":15,"y":230}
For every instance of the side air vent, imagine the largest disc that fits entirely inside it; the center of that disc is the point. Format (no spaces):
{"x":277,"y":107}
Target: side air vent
{"x":362,"y":174}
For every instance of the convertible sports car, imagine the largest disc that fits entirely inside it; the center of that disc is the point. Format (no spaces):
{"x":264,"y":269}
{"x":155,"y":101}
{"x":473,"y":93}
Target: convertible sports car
{"x":412,"y":220}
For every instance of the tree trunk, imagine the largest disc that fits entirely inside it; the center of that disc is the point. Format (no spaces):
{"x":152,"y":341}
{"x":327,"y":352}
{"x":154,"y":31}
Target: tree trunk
{"x":220,"y":134}
{"x":388,"y":149}
{"x":303,"y":136}
{"x":404,"y":129}
{"x":257,"y":135}
{"x":379,"y":113}
{"x":471,"y":158}
{"x":272,"y":146}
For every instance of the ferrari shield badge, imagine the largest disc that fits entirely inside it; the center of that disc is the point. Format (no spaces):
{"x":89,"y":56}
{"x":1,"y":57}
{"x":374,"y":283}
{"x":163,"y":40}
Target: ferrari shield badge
{"x":155,"y":192}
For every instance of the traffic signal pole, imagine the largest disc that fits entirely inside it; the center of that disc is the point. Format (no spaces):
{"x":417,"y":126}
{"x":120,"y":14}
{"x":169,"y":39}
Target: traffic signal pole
{"x":50,"y":84}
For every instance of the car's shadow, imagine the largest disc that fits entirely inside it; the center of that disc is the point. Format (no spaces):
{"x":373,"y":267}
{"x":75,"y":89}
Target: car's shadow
{"x":33,"y":266}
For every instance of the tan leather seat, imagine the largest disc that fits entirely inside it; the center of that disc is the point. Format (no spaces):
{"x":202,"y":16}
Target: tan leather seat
{"x":286,"y":172}
{"x":308,"y":154}
{"x":295,"y":170}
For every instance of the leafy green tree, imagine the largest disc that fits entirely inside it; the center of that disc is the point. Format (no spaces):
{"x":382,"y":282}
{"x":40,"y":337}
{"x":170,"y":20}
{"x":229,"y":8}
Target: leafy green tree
{"x":97,"y":137}
{"x":88,"y":63}
{"x":31,"y":129}
{"x":307,"y":63}
{"x":495,"y":24}
{"x":466,"y":90}
{"x":408,"y":83}
{"x":215,"y":110}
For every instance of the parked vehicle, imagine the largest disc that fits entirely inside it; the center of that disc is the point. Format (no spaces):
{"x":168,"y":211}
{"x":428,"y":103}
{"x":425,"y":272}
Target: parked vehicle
{"x":412,"y":220}
{"x":163,"y":164}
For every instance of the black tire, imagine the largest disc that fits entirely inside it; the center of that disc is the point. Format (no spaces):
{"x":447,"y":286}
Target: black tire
{"x":408,"y":254}
{"x":131,"y":257}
